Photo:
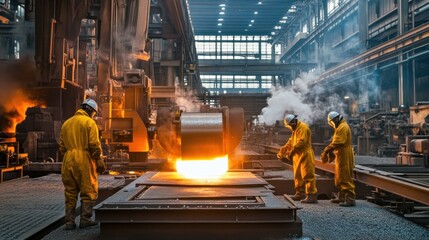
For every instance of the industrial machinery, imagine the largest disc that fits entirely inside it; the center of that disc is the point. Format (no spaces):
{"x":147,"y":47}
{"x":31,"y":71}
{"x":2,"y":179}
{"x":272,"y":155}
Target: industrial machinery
{"x":134,"y":57}
{"x":11,"y":160}
{"x":383,"y":133}
{"x":200,"y":135}
{"x":415,"y":150}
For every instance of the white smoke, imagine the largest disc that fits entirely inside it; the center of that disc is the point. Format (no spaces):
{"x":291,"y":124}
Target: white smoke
{"x":301,"y":99}
{"x":186,"y":102}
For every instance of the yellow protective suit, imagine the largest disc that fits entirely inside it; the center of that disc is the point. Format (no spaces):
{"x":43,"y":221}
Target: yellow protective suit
{"x":341,"y":145}
{"x":80,"y":147}
{"x":299,"y":146}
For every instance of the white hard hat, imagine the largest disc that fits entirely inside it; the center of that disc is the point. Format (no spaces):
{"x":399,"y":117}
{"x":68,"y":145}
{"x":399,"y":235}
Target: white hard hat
{"x":288,"y":118}
{"x":90,"y":103}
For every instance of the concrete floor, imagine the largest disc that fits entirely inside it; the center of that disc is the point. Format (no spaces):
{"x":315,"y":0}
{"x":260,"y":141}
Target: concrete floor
{"x":324,"y":220}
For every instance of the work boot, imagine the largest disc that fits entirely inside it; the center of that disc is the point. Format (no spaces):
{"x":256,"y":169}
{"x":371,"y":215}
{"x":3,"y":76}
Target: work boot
{"x":69,"y":219}
{"x":338,"y":199}
{"x":348,"y":201}
{"x":86,"y":214}
{"x":298,"y":196}
{"x":311,"y":198}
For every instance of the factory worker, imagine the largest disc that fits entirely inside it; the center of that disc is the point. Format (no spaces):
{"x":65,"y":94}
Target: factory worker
{"x":298,"y":149}
{"x":81,"y":150}
{"x":341,"y":146}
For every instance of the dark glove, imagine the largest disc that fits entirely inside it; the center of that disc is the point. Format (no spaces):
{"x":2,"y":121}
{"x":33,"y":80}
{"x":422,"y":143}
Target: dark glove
{"x":101,"y":167}
{"x":324,"y":157}
{"x":290,"y":154}
{"x":331,"y":157}
{"x":328,"y":149}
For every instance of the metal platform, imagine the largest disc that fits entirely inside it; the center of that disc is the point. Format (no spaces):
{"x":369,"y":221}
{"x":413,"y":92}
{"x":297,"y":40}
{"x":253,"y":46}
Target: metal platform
{"x":163,"y":205}
{"x":31,"y":207}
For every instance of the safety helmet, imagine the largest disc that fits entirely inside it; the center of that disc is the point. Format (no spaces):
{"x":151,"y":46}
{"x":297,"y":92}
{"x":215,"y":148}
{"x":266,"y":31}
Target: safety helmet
{"x":333,"y":115}
{"x":91,"y":103}
{"x":288,"y":119}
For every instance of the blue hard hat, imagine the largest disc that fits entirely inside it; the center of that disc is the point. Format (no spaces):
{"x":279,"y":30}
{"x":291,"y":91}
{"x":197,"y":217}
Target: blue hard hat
{"x":332,"y":115}
{"x":91,"y":103}
{"x":288,"y":118}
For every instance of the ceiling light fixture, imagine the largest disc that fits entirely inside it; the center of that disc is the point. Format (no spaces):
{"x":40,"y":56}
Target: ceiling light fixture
{"x":223,"y":9}
{"x":220,"y":19}
{"x":255,"y":13}
{"x":259,"y":3}
{"x":222,"y":5}
{"x":221,"y":13}
{"x":250,"y":25}
{"x":219,"y":24}
{"x":252,"y":21}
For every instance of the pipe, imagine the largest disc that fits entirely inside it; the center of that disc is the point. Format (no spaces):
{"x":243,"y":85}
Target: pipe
{"x":51,"y":41}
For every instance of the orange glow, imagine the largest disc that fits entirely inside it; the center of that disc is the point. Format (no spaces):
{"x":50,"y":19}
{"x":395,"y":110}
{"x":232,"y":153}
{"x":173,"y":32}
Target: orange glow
{"x":18,"y":106}
{"x":144,"y":56}
{"x":196,"y":169}
{"x":114,"y":173}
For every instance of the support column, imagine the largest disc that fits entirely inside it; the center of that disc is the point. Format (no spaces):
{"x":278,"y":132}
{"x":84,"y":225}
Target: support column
{"x":404,"y":81}
{"x":363,"y":23}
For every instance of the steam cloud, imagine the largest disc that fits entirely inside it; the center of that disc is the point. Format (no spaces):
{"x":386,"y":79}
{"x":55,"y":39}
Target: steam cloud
{"x":188,"y":102}
{"x":309,"y":104}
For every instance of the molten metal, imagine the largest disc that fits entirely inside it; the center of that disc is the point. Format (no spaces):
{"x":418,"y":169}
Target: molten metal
{"x":197,"y":169}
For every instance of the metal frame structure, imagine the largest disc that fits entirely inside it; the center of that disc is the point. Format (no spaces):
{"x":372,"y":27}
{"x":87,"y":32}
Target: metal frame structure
{"x":393,"y":182}
{"x":162,"y":205}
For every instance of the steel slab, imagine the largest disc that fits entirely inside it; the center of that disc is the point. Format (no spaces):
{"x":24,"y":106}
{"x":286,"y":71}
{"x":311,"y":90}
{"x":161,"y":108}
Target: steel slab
{"x":169,"y":192}
{"x":228,"y":179}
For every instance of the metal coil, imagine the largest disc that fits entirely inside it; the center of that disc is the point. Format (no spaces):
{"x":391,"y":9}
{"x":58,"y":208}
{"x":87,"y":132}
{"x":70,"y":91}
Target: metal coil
{"x":202,"y":136}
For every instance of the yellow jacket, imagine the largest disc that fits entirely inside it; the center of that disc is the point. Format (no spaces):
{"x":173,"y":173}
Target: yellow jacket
{"x":80,"y":132}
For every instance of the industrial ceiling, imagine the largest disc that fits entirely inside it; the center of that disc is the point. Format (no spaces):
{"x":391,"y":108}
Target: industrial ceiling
{"x":237,"y":17}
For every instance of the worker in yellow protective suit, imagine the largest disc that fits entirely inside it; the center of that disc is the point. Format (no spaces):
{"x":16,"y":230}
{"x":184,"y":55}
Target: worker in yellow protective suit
{"x":341,"y":146}
{"x":81,"y":150}
{"x":298,"y":149}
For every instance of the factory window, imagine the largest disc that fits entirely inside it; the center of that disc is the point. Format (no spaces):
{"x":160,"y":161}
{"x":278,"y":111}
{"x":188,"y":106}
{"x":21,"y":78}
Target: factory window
{"x":332,"y":6}
{"x":253,"y":85}
{"x":235,"y":48}
{"x":20,"y":12}
{"x":266,"y":84}
{"x":16,"y":49}
{"x":305,"y":28}
{"x":240,"y":85}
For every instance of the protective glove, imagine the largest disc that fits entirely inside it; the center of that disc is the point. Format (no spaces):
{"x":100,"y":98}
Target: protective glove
{"x":290,"y":154}
{"x":324,"y":157}
{"x":331,"y":157}
{"x":328,"y":149}
{"x":281,"y":152}
{"x":101,"y":167}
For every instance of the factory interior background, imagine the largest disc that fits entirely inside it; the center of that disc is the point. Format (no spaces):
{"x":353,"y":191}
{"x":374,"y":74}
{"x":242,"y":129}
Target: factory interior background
{"x":192,"y":96}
